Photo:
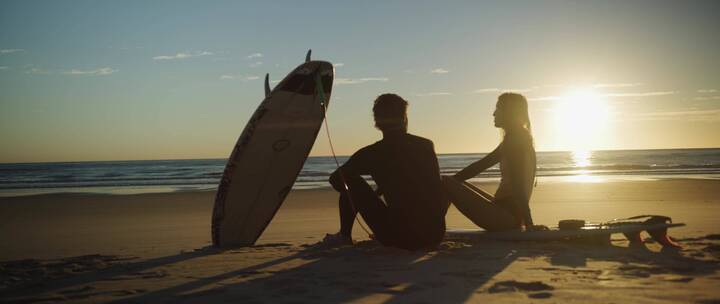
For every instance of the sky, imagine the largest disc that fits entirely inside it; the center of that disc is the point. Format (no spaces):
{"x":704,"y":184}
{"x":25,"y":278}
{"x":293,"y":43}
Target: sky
{"x":127,"y":80}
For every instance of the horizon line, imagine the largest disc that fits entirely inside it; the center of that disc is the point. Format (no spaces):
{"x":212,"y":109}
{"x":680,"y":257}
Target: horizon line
{"x":217,"y":158}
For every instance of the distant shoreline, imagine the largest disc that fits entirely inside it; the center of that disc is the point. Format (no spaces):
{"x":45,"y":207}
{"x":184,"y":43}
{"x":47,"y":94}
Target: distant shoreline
{"x":569,"y":179}
{"x":339,"y":156}
{"x":166,"y":176}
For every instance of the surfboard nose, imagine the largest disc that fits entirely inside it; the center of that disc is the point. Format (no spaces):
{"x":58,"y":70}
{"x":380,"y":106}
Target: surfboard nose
{"x":302,"y":79}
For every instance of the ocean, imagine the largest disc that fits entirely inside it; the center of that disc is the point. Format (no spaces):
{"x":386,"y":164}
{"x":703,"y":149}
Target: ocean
{"x":153,"y":176}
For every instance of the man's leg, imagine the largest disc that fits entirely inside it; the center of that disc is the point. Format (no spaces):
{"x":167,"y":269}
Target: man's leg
{"x":347,"y":215}
{"x":361,"y":198}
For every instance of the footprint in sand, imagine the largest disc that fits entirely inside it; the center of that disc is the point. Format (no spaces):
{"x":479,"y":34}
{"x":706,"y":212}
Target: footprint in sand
{"x":78,"y":290}
{"x":540,"y":295}
{"x":538,"y":288}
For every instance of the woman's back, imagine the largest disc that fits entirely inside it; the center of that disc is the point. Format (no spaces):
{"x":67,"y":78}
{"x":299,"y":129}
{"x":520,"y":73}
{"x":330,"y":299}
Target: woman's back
{"x":517,"y":161}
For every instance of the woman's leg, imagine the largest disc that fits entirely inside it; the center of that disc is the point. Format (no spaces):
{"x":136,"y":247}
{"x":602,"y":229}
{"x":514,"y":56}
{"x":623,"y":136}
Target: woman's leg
{"x":477,"y":205}
{"x":486,"y":196}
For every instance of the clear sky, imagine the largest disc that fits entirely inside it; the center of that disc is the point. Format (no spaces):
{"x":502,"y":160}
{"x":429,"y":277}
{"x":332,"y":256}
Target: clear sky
{"x":115,"y":80}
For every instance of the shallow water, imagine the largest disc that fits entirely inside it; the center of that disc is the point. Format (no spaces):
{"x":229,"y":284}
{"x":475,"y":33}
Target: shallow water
{"x":149,"y":176}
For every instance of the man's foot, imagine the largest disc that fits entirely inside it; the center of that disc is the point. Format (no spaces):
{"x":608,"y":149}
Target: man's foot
{"x":337,"y":239}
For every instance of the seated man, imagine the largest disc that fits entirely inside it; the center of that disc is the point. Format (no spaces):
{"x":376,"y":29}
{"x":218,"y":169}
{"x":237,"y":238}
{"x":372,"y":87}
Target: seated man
{"x":405,"y":169}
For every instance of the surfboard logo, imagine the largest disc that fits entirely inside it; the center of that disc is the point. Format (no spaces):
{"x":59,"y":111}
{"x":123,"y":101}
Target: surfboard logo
{"x":280,"y":145}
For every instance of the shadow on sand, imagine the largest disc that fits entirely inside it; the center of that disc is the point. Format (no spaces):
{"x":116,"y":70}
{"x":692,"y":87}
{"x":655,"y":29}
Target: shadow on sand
{"x":367,"y":271}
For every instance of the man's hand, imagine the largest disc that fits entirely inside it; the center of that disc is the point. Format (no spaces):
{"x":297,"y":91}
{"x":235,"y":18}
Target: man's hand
{"x":336,"y":181}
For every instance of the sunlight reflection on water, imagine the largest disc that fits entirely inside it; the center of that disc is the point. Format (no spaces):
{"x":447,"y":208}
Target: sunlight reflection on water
{"x":581,"y":158}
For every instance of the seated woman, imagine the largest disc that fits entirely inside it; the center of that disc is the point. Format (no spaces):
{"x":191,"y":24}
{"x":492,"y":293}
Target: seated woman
{"x":509,"y":208}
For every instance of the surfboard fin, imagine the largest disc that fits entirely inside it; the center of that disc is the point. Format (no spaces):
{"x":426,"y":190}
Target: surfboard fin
{"x":660,"y":235}
{"x":267,"y":84}
{"x":307,"y":56}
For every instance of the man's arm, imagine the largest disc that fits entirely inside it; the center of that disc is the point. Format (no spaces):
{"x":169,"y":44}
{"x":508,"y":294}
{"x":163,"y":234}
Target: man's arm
{"x":481,"y":165}
{"x":337,"y":181}
{"x":355,"y":165}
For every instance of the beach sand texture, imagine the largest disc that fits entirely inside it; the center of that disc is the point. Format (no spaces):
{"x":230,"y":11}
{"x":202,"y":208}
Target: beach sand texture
{"x":153,"y":248}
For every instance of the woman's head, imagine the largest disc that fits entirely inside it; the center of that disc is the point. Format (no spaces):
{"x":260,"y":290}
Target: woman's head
{"x":390,"y":112}
{"x":511,"y":112}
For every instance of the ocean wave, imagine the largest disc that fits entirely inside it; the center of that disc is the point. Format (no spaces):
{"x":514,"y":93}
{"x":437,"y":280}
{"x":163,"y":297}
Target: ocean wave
{"x":316,"y":171}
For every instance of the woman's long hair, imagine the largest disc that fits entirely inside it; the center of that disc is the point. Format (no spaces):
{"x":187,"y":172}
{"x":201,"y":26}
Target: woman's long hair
{"x":516,"y":108}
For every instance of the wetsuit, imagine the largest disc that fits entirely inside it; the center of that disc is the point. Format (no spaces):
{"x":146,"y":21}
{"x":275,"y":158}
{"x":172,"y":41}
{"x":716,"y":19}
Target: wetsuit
{"x":405,"y":169}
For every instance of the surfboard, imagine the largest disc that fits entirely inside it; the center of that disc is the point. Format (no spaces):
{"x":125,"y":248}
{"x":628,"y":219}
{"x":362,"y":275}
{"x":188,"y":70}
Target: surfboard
{"x":270,"y":153}
{"x":598,"y":233}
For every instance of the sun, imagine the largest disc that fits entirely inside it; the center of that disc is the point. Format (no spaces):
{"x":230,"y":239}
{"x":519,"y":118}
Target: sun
{"x":581,"y":120}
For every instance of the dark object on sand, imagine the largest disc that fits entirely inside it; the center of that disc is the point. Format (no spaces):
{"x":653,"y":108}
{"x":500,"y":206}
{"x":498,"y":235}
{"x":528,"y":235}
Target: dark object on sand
{"x":571,"y":224}
{"x":598,"y":233}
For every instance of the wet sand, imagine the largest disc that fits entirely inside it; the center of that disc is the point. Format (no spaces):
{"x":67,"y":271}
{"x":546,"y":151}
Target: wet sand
{"x":153,"y":248}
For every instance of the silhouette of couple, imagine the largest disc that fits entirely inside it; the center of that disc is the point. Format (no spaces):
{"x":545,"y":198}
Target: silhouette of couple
{"x":407,"y":210}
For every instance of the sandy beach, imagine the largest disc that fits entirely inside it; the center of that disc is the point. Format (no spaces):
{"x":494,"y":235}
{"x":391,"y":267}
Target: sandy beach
{"x":153,"y":248}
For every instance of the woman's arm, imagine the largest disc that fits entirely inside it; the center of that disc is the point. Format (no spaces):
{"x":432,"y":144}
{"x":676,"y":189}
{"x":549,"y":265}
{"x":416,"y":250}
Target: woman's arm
{"x":481,"y":165}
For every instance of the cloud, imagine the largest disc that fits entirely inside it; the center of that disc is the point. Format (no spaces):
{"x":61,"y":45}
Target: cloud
{"x":616,"y":85}
{"x":4,"y":67}
{"x":104,"y":71}
{"x":707,"y":98}
{"x":172,"y":57}
{"x":439,"y":71}
{"x":644,"y":94}
{"x":241,"y":77}
{"x":486,"y":90}
{"x":255,"y":55}
{"x":342,"y":81}
{"x":496,"y":90}
{"x":256,"y":64}
{"x":553,"y":86}
{"x":183,"y":55}
{"x":546,"y":98}
{"x":517,"y":90}
{"x":9,"y":51}
{"x":548,"y":86}
{"x":96,"y":72}
{"x":339,"y":64}
{"x":707,"y":91}
{"x":433,"y":94}
{"x":688,"y":115}
{"x":38,"y":71}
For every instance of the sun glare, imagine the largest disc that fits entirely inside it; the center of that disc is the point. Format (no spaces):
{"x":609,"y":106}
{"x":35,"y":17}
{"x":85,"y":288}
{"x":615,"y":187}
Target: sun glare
{"x":581,"y":120}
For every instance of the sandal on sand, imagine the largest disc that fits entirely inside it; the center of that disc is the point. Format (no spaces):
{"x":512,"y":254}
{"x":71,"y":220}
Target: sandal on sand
{"x":336,"y":239}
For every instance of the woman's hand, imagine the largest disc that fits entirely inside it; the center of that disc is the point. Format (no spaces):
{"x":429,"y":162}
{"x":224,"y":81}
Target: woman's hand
{"x":537,"y":228}
{"x":479,"y":166}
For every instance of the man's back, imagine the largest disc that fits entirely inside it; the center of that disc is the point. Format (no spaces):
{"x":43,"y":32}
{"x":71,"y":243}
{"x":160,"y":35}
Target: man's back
{"x":405,"y":168}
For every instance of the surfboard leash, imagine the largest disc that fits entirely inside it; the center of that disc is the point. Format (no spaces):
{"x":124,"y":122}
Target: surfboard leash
{"x":321,"y":92}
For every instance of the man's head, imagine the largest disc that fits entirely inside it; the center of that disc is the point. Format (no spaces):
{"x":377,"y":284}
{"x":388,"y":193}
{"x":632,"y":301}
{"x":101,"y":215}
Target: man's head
{"x":390,"y":112}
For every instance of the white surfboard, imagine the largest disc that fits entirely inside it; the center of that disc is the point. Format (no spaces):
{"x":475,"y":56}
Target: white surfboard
{"x":655,"y":226}
{"x":270,"y":153}
{"x":555,"y":234}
